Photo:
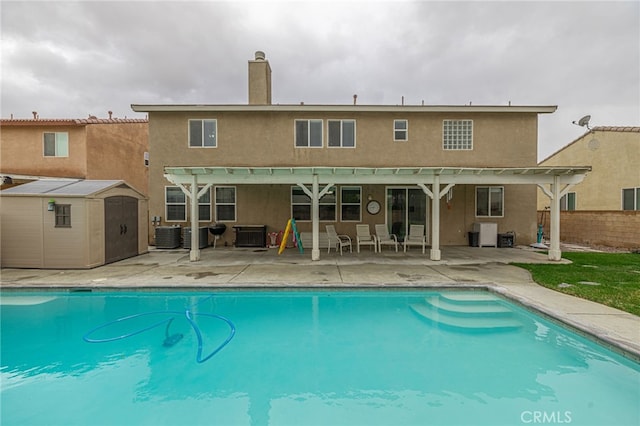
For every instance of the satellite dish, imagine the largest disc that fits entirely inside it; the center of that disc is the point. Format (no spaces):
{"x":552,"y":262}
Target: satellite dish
{"x":584,"y":122}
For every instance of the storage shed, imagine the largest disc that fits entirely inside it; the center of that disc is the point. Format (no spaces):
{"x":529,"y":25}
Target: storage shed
{"x":69,"y":223}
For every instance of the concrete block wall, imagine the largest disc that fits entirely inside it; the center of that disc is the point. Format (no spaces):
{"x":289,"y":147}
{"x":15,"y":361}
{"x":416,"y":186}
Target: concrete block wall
{"x":598,"y":228}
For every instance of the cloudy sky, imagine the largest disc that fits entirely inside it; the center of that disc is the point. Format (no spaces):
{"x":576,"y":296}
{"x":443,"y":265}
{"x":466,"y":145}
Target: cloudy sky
{"x":72,"y":59}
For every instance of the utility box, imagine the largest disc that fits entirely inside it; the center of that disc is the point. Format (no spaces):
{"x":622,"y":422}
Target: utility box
{"x":506,"y":240}
{"x":487,"y":233}
{"x":203,"y":237}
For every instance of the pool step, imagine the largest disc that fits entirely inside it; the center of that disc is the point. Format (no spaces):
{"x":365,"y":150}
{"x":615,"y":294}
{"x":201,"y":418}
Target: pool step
{"x":467,"y":311}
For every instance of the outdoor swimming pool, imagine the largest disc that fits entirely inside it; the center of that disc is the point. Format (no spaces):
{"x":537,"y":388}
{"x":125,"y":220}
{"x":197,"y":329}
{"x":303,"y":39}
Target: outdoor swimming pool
{"x":383,"y":357}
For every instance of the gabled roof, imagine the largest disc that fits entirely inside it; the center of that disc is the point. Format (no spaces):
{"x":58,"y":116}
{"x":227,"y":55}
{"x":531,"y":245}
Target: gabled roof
{"x":64,"y":187}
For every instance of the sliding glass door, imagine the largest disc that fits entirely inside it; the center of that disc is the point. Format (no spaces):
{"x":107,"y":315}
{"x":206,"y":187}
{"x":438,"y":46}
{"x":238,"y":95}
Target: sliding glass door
{"x":406,"y":206}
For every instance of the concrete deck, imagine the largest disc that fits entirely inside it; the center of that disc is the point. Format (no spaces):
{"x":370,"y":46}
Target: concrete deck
{"x":460,"y":267}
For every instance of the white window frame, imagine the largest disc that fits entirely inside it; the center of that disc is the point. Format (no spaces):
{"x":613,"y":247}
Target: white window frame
{"x":332,"y":205}
{"x":489,"y":201}
{"x":204,"y":205}
{"x":60,"y":144}
{"x":565,"y":201}
{"x":343,"y":203}
{"x":342,"y":133}
{"x":234,"y":203}
{"x":167,"y":204}
{"x":457,"y":135}
{"x":203,"y":121}
{"x":636,"y":198}
{"x":309,"y":122}
{"x":397,"y":131}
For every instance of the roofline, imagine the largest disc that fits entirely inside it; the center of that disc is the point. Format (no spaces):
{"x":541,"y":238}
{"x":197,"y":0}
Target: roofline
{"x":68,"y":121}
{"x":345,"y":108}
{"x":615,"y":129}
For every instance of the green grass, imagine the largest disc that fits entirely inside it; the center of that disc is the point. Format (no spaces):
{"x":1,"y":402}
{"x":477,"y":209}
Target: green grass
{"x":618,"y":276}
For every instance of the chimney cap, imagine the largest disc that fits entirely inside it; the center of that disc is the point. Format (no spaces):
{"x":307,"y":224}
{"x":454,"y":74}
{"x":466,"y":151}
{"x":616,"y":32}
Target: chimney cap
{"x":260,"y":56}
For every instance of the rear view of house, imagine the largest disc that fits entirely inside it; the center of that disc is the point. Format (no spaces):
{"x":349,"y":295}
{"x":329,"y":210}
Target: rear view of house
{"x":444,"y":167}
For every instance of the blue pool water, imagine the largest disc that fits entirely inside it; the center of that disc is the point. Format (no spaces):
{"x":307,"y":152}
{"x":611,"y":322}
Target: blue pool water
{"x":301,"y":358}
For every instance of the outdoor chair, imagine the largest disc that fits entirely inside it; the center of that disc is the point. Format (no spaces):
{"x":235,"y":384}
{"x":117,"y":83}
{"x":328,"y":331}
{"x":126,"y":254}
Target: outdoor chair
{"x":416,"y":237}
{"x":337,"y":240}
{"x":384,"y":238}
{"x":364,"y":237}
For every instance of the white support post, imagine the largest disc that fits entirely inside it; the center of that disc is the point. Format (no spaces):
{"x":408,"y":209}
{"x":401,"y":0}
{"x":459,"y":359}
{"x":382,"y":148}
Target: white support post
{"x":554,"y":251}
{"x":435,"y":219}
{"x":315,"y":219}
{"x":194,"y":253}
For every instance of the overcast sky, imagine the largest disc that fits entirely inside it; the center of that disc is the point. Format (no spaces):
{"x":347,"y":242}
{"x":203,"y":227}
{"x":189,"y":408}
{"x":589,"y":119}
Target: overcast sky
{"x":72,"y":59}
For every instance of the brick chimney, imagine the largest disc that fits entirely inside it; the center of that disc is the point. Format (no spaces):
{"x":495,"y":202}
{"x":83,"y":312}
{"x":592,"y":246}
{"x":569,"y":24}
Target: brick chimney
{"x":259,"y":80}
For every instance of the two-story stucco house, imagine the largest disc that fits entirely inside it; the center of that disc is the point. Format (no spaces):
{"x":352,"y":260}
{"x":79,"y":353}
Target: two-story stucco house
{"x":446,"y":167}
{"x":92,"y":148}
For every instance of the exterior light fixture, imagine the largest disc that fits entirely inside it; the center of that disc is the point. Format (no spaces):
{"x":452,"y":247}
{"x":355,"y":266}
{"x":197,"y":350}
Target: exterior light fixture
{"x":51,"y":205}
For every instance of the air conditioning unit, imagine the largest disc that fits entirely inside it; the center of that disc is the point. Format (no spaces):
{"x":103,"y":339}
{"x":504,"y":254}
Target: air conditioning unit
{"x":168,"y":237}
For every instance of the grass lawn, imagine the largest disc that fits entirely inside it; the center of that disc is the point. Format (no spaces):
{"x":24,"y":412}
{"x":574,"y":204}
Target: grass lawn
{"x":612,"y":279}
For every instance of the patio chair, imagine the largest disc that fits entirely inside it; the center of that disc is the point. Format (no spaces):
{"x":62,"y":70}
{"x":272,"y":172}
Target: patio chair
{"x":338,"y":240}
{"x":416,"y":237}
{"x":384,"y":238}
{"x":364,"y":237}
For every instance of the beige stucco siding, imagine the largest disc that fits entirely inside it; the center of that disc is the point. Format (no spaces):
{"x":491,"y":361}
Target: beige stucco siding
{"x":117,"y":151}
{"x":614,"y":157}
{"x":266,"y":138}
{"x":22,"y":152}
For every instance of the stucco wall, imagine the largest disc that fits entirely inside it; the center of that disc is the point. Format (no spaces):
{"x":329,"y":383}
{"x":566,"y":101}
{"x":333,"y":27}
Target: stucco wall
{"x":614,"y":156}
{"x":22,"y":152}
{"x":266,"y":138}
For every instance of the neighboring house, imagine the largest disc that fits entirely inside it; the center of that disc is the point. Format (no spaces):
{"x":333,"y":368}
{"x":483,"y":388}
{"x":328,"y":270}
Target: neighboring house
{"x":603,"y":210}
{"x":446,"y":167}
{"x":68,"y":223}
{"x":614,"y":182}
{"x":91,"y":148}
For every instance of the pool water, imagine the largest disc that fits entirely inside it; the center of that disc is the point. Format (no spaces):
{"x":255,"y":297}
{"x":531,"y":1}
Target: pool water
{"x":301,"y":358}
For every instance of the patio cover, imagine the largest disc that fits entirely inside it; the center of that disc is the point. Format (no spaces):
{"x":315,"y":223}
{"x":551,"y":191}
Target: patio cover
{"x":434,"y":181}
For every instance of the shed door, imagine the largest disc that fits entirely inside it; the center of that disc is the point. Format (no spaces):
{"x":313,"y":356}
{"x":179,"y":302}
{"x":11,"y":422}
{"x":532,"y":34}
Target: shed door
{"x":121,"y":228}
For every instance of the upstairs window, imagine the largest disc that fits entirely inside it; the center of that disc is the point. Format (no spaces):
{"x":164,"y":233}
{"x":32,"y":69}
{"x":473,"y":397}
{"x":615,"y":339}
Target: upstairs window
{"x":56,"y":144}
{"x":631,"y":199}
{"x":203,"y":133}
{"x":568,"y":201}
{"x":308,"y":133}
{"x":489,"y":201}
{"x":63,"y":215}
{"x":457,"y":134}
{"x":342,"y":133}
{"x":400,"y":130}
{"x":225,"y":203}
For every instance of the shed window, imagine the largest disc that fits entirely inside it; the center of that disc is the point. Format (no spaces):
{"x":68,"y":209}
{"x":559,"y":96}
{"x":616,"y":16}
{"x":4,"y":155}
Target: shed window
{"x":63,"y":215}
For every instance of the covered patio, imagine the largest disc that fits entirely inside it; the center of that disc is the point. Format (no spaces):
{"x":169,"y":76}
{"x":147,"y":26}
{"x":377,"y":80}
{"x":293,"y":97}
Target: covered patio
{"x":435,"y":182}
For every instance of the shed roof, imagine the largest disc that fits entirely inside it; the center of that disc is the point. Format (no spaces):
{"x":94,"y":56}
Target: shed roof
{"x":64,"y":187}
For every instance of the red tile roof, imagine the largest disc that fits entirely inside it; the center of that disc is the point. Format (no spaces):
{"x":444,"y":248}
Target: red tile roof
{"x":68,"y":121}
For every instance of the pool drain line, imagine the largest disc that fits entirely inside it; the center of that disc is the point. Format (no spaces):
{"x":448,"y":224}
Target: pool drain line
{"x":170,"y":340}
